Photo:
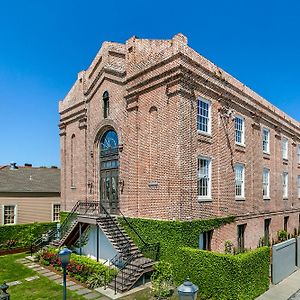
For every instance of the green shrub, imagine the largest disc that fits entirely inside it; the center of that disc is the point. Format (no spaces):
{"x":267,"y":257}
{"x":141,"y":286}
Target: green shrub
{"x":224,"y":276}
{"x":282,"y":235}
{"x":63,"y":215}
{"x":162,"y":279}
{"x":22,"y":235}
{"x":80,"y":267}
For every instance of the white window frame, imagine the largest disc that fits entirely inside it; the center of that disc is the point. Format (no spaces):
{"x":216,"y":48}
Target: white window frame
{"x":266,"y":141}
{"x":208,"y":131}
{"x":52,"y":217}
{"x":285,"y":148}
{"x":242,"y":196}
{"x":266,"y":183}
{"x":298,"y":185}
{"x":285,"y":185}
{"x":208,"y":196}
{"x":298,"y":153}
{"x":15,"y":214}
{"x":242,"y":130}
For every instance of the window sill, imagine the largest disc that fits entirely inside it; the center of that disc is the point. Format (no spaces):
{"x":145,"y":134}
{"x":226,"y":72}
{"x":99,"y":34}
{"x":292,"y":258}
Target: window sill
{"x":285,"y":198}
{"x":208,"y":199}
{"x":285,"y":161}
{"x":204,"y":137}
{"x":73,"y":187}
{"x":240,"y":144}
{"x":266,"y":198}
{"x":266,"y":155}
{"x":240,"y":198}
{"x":240,"y":148}
{"x":207,"y":134}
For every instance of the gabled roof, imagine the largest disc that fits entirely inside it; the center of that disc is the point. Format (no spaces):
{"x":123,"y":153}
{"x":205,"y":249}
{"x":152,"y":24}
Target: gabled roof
{"x":29,"y":180}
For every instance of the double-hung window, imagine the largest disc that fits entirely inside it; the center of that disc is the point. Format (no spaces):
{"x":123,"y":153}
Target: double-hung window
{"x":266,"y":140}
{"x":285,"y":178}
{"x":266,"y":183}
{"x":55,"y":212}
{"x":285,"y":148}
{"x":239,"y":125}
{"x":204,"y":116}
{"x":204,"y":178}
{"x":239,"y":170}
{"x":9,"y":214}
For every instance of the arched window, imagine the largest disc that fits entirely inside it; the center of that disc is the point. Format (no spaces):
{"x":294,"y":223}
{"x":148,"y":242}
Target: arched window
{"x":109,"y":143}
{"x":105,"y":104}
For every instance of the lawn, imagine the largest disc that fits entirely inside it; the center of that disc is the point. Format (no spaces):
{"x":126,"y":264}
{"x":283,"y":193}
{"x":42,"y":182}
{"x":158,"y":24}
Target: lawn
{"x":41,"y":288}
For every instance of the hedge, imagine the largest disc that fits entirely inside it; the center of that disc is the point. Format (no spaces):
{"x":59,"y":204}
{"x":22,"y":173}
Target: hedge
{"x":22,"y":235}
{"x":224,"y":276}
{"x":63,"y":215}
{"x":219,"y":276}
{"x":171,"y":234}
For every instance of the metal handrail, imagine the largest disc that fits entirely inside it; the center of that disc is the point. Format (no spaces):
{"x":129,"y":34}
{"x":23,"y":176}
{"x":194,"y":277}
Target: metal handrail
{"x":131,"y":227}
{"x":118,"y":229}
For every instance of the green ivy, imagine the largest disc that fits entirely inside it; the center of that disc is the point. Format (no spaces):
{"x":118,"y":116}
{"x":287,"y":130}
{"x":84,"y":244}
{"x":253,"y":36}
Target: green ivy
{"x":171,"y":234}
{"x":224,"y":276}
{"x":63,"y":215}
{"x":219,"y":276}
{"x":22,"y":235}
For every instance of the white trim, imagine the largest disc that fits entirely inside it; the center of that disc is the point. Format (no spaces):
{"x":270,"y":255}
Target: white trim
{"x":268,"y":187}
{"x":263,"y":135}
{"x":242,"y":196}
{"x":285,"y":150}
{"x":209,"y":123}
{"x":52,"y":211}
{"x":242,"y":143}
{"x":208,"y":196}
{"x":15,"y":214}
{"x":285,"y":189}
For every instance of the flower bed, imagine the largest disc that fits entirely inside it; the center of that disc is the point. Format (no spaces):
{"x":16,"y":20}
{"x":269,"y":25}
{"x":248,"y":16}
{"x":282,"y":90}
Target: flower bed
{"x":82,"y":268}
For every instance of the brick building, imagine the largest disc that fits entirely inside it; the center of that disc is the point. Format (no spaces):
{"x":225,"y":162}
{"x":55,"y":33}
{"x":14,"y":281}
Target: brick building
{"x":157,"y":130}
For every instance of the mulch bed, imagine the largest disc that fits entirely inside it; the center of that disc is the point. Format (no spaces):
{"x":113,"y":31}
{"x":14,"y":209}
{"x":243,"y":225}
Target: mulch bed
{"x":12,"y":251}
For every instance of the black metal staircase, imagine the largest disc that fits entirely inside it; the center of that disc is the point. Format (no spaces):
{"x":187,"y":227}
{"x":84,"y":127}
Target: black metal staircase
{"x":130,"y":260}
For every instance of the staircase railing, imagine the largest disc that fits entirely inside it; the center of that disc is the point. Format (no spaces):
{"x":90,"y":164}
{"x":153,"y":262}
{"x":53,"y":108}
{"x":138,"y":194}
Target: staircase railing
{"x":125,"y":276}
{"x":150,"y":250}
{"x":57,"y":233}
{"x":117,"y":231}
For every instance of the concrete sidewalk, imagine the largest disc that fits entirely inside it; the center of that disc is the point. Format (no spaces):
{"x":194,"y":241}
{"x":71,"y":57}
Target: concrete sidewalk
{"x":284,"y":289}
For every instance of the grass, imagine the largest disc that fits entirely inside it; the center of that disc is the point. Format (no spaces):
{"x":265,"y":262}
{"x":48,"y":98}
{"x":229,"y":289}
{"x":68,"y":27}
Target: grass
{"x":42,"y":288}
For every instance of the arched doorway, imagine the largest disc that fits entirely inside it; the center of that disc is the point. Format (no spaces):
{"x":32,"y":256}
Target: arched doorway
{"x":109,"y":171}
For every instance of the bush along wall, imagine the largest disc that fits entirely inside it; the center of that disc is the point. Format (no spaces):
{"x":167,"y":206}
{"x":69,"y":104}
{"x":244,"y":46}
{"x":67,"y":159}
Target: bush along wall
{"x":219,"y":276}
{"x":82,"y":268}
{"x":22,"y":235}
{"x":224,"y":276}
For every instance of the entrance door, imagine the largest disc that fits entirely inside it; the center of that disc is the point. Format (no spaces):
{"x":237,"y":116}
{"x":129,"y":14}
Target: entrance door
{"x":109,"y":172}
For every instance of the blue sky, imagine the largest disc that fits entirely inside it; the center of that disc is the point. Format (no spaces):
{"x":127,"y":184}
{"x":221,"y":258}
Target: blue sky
{"x":43,"y":44}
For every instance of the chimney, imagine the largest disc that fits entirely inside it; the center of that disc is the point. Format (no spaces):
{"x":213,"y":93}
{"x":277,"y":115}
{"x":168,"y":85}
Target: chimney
{"x":13,"y":166}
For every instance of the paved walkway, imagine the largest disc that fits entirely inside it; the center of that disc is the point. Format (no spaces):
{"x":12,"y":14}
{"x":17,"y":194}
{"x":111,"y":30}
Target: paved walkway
{"x":71,"y":285}
{"x":288,"y":289}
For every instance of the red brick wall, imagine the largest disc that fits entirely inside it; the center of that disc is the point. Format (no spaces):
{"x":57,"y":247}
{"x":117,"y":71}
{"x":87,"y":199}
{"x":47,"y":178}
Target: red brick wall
{"x":153,"y":88}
